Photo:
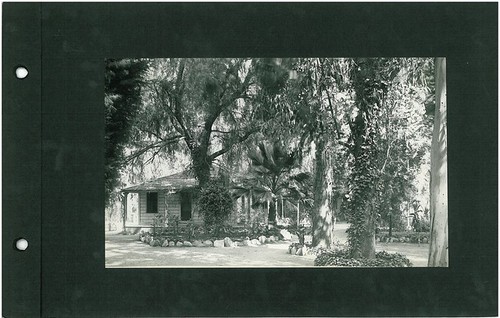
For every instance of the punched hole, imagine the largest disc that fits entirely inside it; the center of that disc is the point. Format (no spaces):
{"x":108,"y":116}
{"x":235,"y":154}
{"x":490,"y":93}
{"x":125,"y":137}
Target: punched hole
{"x":21,"y":72}
{"x":21,"y":244}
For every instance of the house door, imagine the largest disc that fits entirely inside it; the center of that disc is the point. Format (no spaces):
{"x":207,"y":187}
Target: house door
{"x":185,"y":206}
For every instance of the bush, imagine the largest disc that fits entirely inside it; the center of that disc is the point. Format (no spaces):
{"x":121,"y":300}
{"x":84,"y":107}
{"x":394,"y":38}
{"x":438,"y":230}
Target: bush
{"x":215,"y":205}
{"x":260,"y":229}
{"x":343,"y":258}
{"x":193,"y":231}
{"x":406,"y":237}
{"x":421,"y":225}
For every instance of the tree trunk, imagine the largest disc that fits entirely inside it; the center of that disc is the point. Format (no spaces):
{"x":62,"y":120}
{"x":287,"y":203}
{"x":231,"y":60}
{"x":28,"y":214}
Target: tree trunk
{"x":367,"y":240}
{"x":201,"y":165}
{"x":438,"y":250}
{"x":390,"y":225}
{"x":272,"y":213}
{"x":370,"y":88}
{"x":322,"y":220}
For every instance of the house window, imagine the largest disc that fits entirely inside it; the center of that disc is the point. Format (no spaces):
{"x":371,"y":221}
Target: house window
{"x":152,"y":202}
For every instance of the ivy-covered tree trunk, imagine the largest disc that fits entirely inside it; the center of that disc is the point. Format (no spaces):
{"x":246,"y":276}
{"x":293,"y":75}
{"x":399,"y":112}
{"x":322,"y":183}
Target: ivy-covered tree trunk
{"x":323,"y":216}
{"x":438,"y":251}
{"x":370,"y":88}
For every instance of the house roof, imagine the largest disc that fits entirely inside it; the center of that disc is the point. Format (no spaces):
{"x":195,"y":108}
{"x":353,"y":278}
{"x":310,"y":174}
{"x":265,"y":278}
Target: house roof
{"x":174,"y":182}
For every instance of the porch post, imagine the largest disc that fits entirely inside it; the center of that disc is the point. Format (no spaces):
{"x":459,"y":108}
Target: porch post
{"x":250,"y":207}
{"x":298,"y":214}
{"x":124,"y":205}
{"x":282,"y":209}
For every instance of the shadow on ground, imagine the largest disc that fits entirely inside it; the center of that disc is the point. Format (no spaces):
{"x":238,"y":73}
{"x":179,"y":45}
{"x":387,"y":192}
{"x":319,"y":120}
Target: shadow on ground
{"x":127,"y":251}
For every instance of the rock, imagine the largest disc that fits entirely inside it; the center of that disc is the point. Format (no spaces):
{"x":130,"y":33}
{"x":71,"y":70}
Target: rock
{"x":425,"y":240}
{"x":272,"y":239}
{"x":246,"y":243}
{"x":179,"y":244}
{"x":228,"y":242}
{"x":262,"y":239}
{"x":299,"y":251}
{"x":143,"y":238}
{"x":255,"y":242}
{"x":197,"y":243}
{"x":171,"y":243}
{"x":234,"y":244}
{"x":293,"y":251}
{"x":188,"y":244}
{"x":165,"y":244}
{"x":208,"y":243}
{"x":286,"y":235}
{"x":387,"y":239}
{"x":219,"y":243}
{"x":378,"y":239}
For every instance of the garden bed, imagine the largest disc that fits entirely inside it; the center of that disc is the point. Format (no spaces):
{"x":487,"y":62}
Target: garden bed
{"x":341,"y":258}
{"x":166,"y":239}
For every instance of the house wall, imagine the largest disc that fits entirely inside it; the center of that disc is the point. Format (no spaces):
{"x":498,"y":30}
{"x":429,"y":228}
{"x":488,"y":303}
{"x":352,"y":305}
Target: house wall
{"x":170,"y":201}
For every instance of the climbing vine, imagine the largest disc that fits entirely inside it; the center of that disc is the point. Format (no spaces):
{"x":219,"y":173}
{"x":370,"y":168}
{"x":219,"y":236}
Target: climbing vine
{"x":370,"y":85}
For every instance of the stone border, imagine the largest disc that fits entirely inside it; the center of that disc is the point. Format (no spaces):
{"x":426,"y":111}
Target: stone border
{"x":226,"y":242}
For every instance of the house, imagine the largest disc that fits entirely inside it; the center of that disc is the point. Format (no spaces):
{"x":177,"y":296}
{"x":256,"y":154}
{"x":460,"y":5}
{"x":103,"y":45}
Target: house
{"x":173,"y":195}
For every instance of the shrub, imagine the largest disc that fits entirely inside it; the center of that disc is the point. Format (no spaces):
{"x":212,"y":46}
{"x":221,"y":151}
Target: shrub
{"x":343,"y":258}
{"x":215,"y":205}
{"x":421,"y":225}
{"x":192,"y":230}
{"x":158,"y":224}
{"x":407,"y":237}
{"x":260,"y":229}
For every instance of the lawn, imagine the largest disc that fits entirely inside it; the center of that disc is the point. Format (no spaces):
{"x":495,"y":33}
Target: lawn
{"x":127,"y":251}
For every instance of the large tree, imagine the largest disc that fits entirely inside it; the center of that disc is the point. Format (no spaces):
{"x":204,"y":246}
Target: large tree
{"x":122,"y":98}
{"x":316,"y":111}
{"x":438,"y":252}
{"x":204,"y":107}
{"x":370,"y":82}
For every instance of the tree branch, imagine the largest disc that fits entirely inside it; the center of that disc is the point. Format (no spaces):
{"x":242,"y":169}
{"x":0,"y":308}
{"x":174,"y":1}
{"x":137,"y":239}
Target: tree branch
{"x":159,"y":145}
{"x":220,"y":131}
{"x":227,"y":148}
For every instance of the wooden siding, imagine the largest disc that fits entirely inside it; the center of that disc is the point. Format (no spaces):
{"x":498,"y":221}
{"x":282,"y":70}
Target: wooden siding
{"x":170,"y":201}
{"x":173,"y":205}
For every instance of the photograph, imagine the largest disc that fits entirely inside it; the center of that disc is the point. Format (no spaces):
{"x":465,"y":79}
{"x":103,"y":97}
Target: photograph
{"x":275,"y":162}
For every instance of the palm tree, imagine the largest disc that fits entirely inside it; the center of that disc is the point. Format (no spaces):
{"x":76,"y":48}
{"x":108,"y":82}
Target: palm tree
{"x":270,"y":178}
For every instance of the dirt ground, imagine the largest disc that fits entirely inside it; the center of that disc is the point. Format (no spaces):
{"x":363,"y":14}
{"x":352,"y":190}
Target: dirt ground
{"x":127,"y":251}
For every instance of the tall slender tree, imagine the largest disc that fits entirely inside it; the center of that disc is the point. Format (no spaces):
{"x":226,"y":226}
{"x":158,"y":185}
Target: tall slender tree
{"x":317,"y":120}
{"x":438,"y":251}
